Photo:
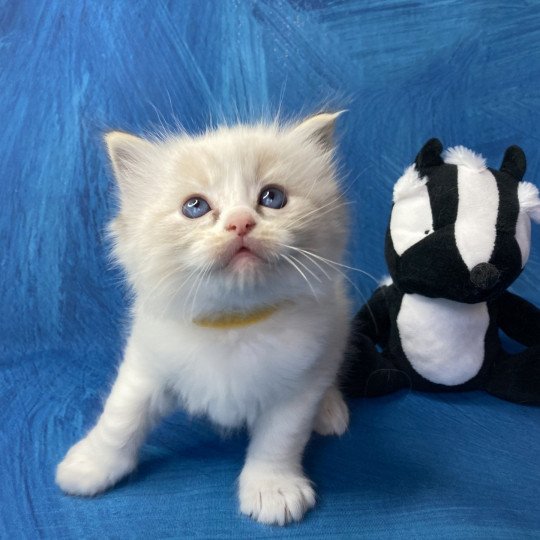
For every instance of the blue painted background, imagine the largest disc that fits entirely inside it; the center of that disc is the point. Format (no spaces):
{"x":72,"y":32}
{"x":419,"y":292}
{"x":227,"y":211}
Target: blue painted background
{"x":412,"y":465}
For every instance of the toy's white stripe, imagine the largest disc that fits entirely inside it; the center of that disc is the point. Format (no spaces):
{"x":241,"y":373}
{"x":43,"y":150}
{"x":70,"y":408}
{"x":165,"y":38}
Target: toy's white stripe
{"x":478,"y":205}
{"x":443,"y":340}
{"x":529,"y":208}
{"x":411,"y":218}
{"x":523,"y":236}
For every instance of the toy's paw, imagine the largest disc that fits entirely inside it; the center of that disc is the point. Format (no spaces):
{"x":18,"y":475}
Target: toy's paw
{"x":333,"y":415}
{"x":86,"y":471}
{"x":275,"y":498}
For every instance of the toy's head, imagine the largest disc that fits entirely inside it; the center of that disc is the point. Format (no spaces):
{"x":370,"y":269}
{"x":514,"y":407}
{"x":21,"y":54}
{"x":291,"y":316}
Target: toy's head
{"x":460,"y":230}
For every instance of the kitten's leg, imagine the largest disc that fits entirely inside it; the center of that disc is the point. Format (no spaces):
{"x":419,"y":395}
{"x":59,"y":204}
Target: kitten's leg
{"x":333,"y":415}
{"x":110,"y":450}
{"x":272,"y":486}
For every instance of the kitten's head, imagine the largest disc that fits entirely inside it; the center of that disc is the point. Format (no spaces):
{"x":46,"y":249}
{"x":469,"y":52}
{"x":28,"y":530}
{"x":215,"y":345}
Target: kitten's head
{"x":218,"y":221}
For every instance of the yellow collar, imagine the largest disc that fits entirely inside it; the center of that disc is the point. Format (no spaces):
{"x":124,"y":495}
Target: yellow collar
{"x":236,"y":319}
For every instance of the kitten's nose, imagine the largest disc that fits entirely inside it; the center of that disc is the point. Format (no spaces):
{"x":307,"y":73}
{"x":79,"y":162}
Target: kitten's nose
{"x":241,"y":223}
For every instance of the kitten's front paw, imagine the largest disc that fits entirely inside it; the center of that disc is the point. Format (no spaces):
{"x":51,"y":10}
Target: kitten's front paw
{"x":86,"y":472}
{"x":333,"y":415}
{"x":274,"y":498}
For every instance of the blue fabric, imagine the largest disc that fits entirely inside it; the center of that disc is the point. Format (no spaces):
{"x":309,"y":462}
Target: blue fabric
{"x":412,"y":466}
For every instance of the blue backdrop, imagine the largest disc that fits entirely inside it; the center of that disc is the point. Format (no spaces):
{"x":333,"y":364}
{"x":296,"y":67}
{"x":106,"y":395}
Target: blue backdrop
{"x":413,"y":466}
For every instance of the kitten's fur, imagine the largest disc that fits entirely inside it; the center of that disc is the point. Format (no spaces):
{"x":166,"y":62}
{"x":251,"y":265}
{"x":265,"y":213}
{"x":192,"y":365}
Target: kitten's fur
{"x":276,"y":376}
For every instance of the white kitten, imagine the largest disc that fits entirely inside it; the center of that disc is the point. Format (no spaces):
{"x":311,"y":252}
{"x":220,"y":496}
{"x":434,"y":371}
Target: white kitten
{"x":238,"y":315}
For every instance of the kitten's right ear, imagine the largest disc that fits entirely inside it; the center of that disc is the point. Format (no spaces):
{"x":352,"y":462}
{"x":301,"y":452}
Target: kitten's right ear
{"x":129,"y":155}
{"x":320,"y":127}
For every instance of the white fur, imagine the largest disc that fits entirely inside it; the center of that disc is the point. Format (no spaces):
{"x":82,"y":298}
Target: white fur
{"x":529,"y":200}
{"x":529,"y":209}
{"x":523,"y":236}
{"x":443,"y":340}
{"x":276,"y":376}
{"x":459,"y":155}
{"x":411,"y":218}
{"x":409,"y":184}
{"x":333,"y":415}
{"x":386,"y":281}
{"x":478,"y":208}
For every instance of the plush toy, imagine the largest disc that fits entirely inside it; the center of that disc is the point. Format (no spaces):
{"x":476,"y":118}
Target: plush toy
{"x":459,"y":235}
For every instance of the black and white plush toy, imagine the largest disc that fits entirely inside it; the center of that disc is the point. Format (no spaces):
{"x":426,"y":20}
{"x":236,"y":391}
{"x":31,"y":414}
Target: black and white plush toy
{"x":459,"y":235}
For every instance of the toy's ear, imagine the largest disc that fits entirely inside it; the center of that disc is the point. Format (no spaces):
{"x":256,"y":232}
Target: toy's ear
{"x":320,"y":128}
{"x":529,"y":200}
{"x":514,"y":162}
{"x":430,"y":155}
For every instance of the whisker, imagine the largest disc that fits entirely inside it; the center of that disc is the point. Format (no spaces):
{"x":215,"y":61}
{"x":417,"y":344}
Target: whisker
{"x":355,"y":287}
{"x":330,"y":262}
{"x":364,"y":299}
{"x":306,"y":267}
{"x":301,"y":273}
{"x":318,"y":211}
{"x":316,"y":264}
{"x":332,"y":201}
{"x":313,"y":217}
{"x":197,"y":271}
{"x":175,"y":293}
{"x":164,"y":278}
{"x":160,"y":283}
{"x":201,"y":278}
{"x":355,"y":180}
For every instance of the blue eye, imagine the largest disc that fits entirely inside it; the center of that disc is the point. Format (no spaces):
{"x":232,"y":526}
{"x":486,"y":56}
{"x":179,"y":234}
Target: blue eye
{"x":195,"y":207}
{"x":272,"y":197}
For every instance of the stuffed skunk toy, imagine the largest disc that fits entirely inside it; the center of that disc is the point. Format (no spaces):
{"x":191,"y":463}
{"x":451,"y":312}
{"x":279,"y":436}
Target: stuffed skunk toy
{"x":459,"y":235}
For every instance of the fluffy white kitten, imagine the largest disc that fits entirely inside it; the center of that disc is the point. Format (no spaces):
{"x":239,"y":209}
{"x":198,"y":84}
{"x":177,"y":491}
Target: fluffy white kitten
{"x":238,"y":315}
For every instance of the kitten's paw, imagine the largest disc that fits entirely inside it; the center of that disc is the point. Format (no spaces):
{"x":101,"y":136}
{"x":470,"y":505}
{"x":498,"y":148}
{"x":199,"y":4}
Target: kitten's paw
{"x":86,"y":472}
{"x":274,"y":498}
{"x":333,"y":415}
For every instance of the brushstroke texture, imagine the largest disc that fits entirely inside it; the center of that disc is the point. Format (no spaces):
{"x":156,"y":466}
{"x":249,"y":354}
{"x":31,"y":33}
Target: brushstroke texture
{"x":414,"y":466}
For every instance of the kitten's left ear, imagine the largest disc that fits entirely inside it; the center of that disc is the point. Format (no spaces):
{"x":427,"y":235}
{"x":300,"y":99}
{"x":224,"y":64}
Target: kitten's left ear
{"x":130,"y":157}
{"x":320,"y":128}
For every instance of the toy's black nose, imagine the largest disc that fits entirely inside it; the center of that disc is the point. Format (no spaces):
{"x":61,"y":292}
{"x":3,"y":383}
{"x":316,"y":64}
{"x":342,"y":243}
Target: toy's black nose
{"x":484,"y":275}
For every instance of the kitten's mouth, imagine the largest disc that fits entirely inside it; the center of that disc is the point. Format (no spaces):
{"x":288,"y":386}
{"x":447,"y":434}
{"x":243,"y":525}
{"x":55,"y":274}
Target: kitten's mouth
{"x":244,"y":253}
{"x":242,"y":257}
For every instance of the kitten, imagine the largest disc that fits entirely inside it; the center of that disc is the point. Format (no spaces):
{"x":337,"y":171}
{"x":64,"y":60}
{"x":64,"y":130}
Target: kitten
{"x":238,"y":315}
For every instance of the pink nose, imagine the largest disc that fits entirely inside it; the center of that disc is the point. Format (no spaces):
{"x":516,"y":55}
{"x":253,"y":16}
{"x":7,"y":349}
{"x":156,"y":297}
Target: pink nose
{"x":240,"y":223}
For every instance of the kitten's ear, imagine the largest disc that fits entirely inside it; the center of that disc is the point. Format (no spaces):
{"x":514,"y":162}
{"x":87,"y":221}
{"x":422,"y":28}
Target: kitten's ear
{"x":129,"y":156}
{"x":320,"y":127}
